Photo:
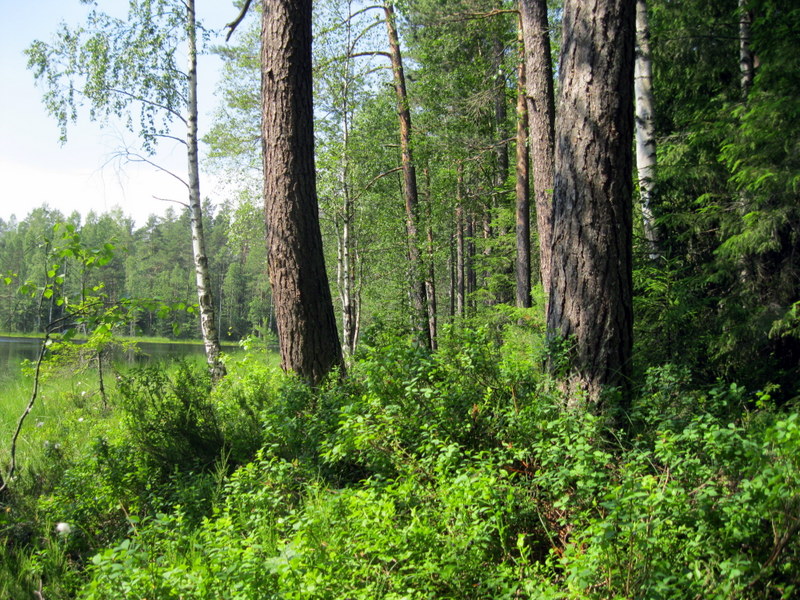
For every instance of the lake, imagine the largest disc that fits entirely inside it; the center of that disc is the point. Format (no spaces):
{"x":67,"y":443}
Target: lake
{"x":13,"y":350}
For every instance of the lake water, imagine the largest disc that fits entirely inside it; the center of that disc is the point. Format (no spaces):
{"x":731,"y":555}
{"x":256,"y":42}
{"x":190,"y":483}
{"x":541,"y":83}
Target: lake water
{"x":13,"y":350}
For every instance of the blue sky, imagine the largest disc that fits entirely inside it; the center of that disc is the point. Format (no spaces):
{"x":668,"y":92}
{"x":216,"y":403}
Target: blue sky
{"x":80,"y":175}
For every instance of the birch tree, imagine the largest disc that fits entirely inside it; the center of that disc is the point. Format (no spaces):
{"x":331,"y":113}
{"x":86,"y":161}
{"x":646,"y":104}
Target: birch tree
{"x":645,"y":126}
{"x":117,"y":65}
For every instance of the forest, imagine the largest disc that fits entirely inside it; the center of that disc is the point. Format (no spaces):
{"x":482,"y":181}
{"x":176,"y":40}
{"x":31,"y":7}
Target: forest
{"x":516,"y":286}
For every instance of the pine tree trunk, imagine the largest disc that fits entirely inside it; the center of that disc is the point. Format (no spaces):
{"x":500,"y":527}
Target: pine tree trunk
{"x":523,"y":202}
{"x":469,"y":265}
{"x":410,"y":192}
{"x":591,"y":305}
{"x":541,"y":118}
{"x":208,"y":325}
{"x":645,"y":127}
{"x":309,"y":341}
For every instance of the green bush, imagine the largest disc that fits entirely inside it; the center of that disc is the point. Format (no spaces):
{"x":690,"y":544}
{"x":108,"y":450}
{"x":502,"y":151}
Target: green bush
{"x":170,"y":416}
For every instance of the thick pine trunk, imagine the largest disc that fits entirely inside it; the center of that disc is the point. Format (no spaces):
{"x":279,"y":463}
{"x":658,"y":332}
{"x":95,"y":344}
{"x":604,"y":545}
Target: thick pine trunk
{"x":523,"y":202}
{"x":541,"y":118}
{"x":591,"y":290}
{"x":411,"y":195}
{"x":205,"y":301}
{"x":309,"y":341}
{"x":645,"y":127}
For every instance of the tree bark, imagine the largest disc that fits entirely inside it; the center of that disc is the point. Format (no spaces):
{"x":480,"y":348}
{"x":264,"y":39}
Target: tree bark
{"x":523,"y":201}
{"x":591,"y":290}
{"x":645,"y":127}
{"x":309,"y":341}
{"x":430,"y":279}
{"x":411,"y":195}
{"x":469,"y":264}
{"x":541,"y":119}
{"x":208,"y":325}
{"x":746,"y":59}
{"x":460,"y":247}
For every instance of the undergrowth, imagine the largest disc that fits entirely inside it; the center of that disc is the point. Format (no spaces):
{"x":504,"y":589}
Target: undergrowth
{"x":453,"y":474}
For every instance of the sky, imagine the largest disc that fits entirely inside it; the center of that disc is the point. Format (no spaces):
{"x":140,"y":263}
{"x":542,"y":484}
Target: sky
{"x":82,"y":174}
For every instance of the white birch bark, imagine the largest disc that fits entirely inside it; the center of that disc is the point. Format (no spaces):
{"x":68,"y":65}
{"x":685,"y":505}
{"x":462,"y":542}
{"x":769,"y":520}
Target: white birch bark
{"x":645,"y":127}
{"x":202,"y":276}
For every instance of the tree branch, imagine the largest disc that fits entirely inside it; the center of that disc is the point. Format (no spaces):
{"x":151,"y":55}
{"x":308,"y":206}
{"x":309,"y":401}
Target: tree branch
{"x":134,"y":157}
{"x":375,"y":180}
{"x":171,"y":111}
{"x":478,"y":15}
{"x":235,"y":23}
{"x":170,"y":137}
{"x":184,"y":204}
{"x":373,"y":53}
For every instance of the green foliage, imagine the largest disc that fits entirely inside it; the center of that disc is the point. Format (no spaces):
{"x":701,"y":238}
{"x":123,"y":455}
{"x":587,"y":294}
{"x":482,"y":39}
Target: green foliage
{"x":114,"y":64}
{"x":170,"y":416}
{"x":456,"y":473}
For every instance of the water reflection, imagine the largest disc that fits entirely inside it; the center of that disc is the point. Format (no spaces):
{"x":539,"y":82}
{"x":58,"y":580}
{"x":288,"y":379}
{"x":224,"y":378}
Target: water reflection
{"x":13,"y":350}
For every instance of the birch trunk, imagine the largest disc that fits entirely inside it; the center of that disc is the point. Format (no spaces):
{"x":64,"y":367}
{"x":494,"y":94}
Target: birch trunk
{"x":430,"y":279}
{"x":460,"y":248}
{"x":645,"y":127}
{"x":746,"y":59}
{"x":205,"y":301}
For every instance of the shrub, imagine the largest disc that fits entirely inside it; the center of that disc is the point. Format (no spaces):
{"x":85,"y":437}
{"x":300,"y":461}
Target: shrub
{"x":170,"y":416}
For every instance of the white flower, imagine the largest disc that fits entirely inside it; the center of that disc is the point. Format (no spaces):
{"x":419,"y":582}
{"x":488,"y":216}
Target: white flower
{"x":63,"y":528}
{"x":80,"y":420}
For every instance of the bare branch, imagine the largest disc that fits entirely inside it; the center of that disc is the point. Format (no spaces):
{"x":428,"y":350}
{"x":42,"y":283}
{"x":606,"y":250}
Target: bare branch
{"x":235,"y":23}
{"x":184,"y":204}
{"x":478,"y":15}
{"x":135,"y":157}
{"x":363,"y":10}
{"x":373,"y":53}
{"x":170,"y":137}
{"x":376,"y":179}
{"x":171,"y":111}
{"x":13,"y":467}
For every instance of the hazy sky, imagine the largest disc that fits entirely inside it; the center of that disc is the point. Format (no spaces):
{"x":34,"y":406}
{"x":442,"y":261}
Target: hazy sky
{"x":82,"y":174}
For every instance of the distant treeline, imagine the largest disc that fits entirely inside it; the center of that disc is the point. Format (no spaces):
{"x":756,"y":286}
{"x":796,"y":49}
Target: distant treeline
{"x":152,"y":261}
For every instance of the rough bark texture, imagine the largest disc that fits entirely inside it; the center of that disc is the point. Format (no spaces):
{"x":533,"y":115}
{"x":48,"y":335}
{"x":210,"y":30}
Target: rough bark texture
{"x":591,"y":286}
{"x":645,"y":127}
{"x":309,"y":341}
{"x":471,"y":276}
{"x":208,"y":325}
{"x":541,"y":118}
{"x":523,"y":199}
{"x":411,"y":195}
